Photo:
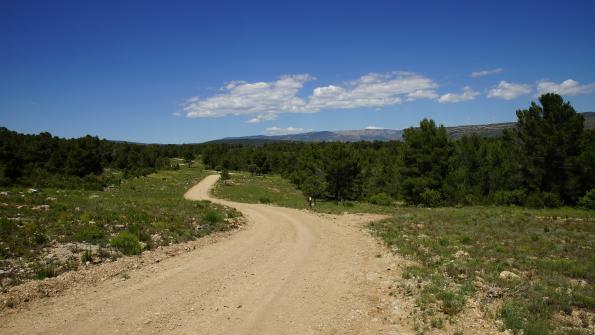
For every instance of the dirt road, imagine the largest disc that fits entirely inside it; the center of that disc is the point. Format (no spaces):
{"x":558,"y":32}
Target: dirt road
{"x":287,"y":272}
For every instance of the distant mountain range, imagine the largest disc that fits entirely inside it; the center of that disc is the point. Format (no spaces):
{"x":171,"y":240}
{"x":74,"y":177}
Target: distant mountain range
{"x":485,"y":130}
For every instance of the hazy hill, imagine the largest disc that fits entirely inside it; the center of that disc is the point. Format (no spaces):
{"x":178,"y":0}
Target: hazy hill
{"x":486,"y":130}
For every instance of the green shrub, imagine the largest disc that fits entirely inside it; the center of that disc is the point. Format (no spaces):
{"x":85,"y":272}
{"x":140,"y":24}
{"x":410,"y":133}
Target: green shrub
{"x":470,"y":199}
{"x":431,"y":198}
{"x":6,"y":227}
{"x":381,"y":199}
{"x":90,"y":233}
{"x":507,"y":198}
{"x":534,"y":200}
{"x":536,"y":327}
{"x":551,"y":200}
{"x":127,"y":243}
{"x":466,"y":240}
{"x":212,"y":217}
{"x":512,"y":316}
{"x":45,"y":271}
{"x":452,"y":303}
{"x":86,"y":256}
{"x":545,"y":199}
{"x":588,"y":200}
{"x":582,"y":300}
{"x":264,"y":200}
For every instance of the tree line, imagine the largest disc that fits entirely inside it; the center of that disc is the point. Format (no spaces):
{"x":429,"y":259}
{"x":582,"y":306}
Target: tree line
{"x":546,"y":160}
{"x":44,"y":160}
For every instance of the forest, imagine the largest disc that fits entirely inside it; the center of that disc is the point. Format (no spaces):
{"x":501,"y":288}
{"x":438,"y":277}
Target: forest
{"x":546,"y":160}
{"x":44,"y":160}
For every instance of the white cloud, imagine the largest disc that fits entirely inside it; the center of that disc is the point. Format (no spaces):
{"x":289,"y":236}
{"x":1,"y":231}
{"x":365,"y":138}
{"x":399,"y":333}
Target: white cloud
{"x":263,"y":99}
{"x":568,"y":87}
{"x":373,"y":90}
{"x":176,"y":114}
{"x":273,"y":131}
{"x":374,"y":127}
{"x":468,"y":94}
{"x":484,"y":73}
{"x":263,"y":117}
{"x":422,"y":94}
{"x":508,"y":91}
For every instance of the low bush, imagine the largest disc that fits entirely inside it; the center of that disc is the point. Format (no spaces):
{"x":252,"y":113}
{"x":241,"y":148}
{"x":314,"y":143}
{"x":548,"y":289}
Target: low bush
{"x":588,"y":200}
{"x":45,"y":271}
{"x":431,"y":198}
{"x":127,"y":243}
{"x":381,"y":199}
{"x":212,"y":217}
{"x":452,"y":303}
{"x":534,"y":200}
{"x":90,"y":233}
{"x":264,"y":200}
{"x":512,"y":316}
{"x":543,"y":200}
{"x":507,"y":198}
{"x":551,"y":200}
{"x":86,"y":256}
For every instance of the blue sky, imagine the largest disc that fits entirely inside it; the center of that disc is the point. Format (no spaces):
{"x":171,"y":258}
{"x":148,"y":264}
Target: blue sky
{"x":191,"y":71}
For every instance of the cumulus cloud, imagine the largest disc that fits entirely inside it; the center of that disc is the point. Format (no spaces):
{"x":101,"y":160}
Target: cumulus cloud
{"x":272,"y":131}
{"x":508,"y":91}
{"x":373,"y":90}
{"x":468,"y":94}
{"x":263,"y":117}
{"x":488,"y":72}
{"x":422,"y":94}
{"x":262,"y":99}
{"x":374,"y":127}
{"x":567,"y":87}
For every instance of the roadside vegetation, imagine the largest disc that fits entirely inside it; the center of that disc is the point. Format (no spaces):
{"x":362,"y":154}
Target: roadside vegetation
{"x":532,"y":269}
{"x":274,"y":189}
{"x":44,"y":232}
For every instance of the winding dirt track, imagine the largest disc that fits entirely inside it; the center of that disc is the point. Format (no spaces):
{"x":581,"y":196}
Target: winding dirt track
{"x":287,"y":272}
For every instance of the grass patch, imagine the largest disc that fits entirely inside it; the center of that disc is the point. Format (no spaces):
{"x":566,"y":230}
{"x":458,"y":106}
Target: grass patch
{"x":212,"y":217}
{"x":45,"y":271}
{"x":460,"y":252}
{"x":148,"y":209}
{"x":87,"y":256}
{"x":127,"y":243}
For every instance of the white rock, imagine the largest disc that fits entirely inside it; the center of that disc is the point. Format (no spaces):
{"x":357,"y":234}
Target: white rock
{"x":507,"y":275}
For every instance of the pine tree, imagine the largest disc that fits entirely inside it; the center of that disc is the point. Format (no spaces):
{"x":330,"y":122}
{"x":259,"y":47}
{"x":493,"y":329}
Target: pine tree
{"x":426,"y":156}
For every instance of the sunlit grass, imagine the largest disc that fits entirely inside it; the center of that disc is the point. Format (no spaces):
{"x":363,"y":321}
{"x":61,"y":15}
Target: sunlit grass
{"x":273,"y":189}
{"x":460,"y":253}
{"x":150,"y":210}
